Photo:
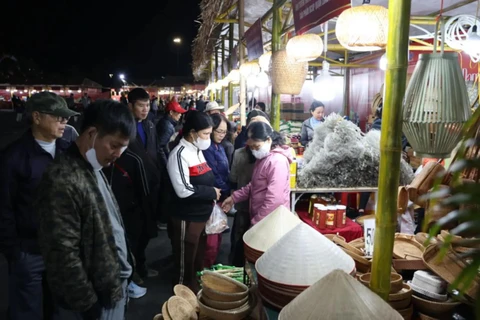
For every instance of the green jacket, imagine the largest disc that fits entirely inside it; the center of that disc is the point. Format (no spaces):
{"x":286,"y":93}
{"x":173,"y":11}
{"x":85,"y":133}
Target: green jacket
{"x":76,"y":235}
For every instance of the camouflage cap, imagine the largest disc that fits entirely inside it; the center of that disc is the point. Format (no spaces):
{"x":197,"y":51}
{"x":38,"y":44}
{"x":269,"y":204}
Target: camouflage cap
{"x":49,"y":103}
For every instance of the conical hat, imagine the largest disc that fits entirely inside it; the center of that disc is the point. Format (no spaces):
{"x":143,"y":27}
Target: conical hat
{"x":338,"y":296}
{"x":270,"y":229}
{"x":302,"y":257}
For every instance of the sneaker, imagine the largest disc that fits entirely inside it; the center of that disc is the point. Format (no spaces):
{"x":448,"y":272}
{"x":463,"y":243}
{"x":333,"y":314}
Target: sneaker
{"x":152,"y":273}
{"x":162,"y":226}
{"x":135,"y":291}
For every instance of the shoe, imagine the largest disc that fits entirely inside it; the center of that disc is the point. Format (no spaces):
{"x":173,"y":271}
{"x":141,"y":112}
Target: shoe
{"x":135,"y":291}
{"x":152,"y":273}
{"x":162,"y":226}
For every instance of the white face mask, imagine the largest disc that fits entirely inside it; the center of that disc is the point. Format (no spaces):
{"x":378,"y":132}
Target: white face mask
{"x":91,"y":156}
{"x":202,"y":144}
{"x":263,"y":151}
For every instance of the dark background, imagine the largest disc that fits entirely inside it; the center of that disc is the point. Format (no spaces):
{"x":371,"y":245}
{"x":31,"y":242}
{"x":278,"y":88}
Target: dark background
{"x":96,"y":38}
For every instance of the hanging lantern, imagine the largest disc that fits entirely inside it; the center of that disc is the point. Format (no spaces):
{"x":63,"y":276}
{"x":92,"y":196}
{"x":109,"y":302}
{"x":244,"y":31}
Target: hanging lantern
{"x":287,"y":74}
{"x":248,"y":68}
{"x":363,"y":28}
{"x":305,"y":47}
{"x":382,"y":64}
{"x":324,"y":85}
{"x":462,"y":34}
{"x":234,"y":76}
{"x":264,"y":61}
{"x":262,"y":80}
{"x":224,"y":82}
{"x":251,"y":82}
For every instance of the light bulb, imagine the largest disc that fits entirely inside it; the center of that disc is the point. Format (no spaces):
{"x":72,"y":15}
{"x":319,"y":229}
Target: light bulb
{"x":324,"y":86}
{"x":383,"y":62}
{"x":472,"y":44}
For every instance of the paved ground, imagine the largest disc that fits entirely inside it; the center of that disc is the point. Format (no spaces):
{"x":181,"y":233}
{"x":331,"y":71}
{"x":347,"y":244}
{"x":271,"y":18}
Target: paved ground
{"x":158,"y":252}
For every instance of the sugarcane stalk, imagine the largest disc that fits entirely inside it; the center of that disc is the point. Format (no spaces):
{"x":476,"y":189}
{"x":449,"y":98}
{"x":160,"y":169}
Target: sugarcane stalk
{"x":390,"y":144}
{"x":276,"y":46}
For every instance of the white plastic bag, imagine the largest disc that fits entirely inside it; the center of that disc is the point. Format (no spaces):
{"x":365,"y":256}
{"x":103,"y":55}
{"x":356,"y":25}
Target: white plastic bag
{"x":218,"y":221}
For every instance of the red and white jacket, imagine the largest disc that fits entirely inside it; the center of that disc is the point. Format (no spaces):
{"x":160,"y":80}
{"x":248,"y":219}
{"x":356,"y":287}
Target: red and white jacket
{"x":193,"y":182}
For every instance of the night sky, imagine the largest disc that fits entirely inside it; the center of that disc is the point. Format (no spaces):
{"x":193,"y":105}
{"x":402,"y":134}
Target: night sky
{"x":96,"y":38}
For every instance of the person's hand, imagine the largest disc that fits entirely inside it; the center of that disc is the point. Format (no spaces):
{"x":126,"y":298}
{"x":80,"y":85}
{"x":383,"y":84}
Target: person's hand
{"x":219,"y":193}
{"x":227,"y":204}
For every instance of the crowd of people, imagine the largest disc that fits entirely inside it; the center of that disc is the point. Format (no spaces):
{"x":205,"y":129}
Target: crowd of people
{"x":78,"y":209}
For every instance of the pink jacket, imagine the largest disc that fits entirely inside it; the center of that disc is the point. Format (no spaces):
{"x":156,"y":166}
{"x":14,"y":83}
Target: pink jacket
{"x":270,"y":185}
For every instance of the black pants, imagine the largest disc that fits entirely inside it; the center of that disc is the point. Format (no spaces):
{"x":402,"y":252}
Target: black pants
{"x":138,"y":237}
{"x":241,"y":223}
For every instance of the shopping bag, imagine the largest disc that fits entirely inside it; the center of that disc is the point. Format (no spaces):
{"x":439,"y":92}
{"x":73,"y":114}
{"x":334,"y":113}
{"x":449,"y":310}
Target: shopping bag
{"x":218,"y":221}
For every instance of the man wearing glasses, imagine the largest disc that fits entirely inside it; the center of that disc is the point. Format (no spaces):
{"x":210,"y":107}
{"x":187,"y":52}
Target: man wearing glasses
{"x":22,"y":165}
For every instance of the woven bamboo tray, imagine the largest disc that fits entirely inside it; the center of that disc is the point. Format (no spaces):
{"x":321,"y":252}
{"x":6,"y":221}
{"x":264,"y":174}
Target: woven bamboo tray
{"x":434,"y":308}
{"x":406,"y":247}
{"x":449,"y":268}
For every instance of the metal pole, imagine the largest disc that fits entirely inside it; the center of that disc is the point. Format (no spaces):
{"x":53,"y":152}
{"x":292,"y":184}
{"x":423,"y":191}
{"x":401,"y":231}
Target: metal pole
{"x":390,"y":144}
{"x":276,"y":44}
{"x":241,"y":57}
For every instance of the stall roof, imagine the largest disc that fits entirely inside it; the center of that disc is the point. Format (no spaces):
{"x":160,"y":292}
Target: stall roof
{"x":210,"y":31}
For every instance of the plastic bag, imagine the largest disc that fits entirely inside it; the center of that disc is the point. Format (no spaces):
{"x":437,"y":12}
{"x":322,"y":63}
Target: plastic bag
{"x":218,"y":221}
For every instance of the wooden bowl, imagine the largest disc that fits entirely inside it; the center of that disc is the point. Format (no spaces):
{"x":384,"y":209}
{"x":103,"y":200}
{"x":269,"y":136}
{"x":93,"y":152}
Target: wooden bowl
{"x":220,"y":305}
{"x":396,"y":281}
{"x":434,"y":308}
{"x":222,"y":288}
{"x":233,"y":314}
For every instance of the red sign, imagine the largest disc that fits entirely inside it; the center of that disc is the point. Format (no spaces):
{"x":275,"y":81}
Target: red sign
{"x":310,"y":13}
{"x":253,"y":37}
{"x":469,"y":68}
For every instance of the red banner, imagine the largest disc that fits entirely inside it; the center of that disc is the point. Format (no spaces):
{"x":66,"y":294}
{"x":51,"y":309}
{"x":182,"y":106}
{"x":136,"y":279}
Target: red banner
{"x":253,"y":37}
{"x":310,"y":13}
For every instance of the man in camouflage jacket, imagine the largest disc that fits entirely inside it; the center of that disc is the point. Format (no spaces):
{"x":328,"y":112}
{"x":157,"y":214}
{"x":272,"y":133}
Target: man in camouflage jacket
{"x":78,"y":237}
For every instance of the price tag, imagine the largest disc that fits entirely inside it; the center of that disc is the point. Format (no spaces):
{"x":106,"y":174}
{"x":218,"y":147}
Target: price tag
{"x":369,"y":234}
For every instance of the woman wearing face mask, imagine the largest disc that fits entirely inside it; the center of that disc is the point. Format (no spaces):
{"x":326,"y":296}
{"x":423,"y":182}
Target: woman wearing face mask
{"x":317,"y":109}
{"x":193,"y":181}
{"x":270,"y":185}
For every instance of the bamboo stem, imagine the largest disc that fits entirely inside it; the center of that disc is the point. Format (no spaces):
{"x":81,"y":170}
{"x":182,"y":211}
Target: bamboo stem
{"x":241,"y":57}
{"x":223,"y":71}
{"x":390,"y":145}
{"x":276,"y":30}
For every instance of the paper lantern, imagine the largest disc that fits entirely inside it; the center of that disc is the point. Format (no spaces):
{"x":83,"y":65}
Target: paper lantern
{"x":264,"y":61}
{"x":305,"y":47}
{"x":287,"y":74}
{"x":324,"y":85}
{"x":248,"y":68}
{"x":363,"y":28}
{"x":251,"y":82}
{"x":436,"y":105}
{"x":234,"y":76}
{"x":262,"y":80}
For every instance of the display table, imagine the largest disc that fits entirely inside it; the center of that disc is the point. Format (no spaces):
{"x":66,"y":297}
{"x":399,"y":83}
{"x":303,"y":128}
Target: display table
{"x":296,"y":193}
{"x":350,"y":232}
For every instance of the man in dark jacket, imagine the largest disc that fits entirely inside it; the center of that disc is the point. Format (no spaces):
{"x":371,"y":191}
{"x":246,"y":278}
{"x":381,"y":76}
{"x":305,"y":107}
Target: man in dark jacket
{"x":201,"y":104}
{"x":81,"y":233}
{"x":166,"y":128}
{"x":22,"y":166}
{"x":146,"y":147}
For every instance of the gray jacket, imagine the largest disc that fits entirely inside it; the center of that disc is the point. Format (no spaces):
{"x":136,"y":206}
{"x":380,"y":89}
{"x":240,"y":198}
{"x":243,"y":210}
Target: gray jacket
{"x":306,"y":134}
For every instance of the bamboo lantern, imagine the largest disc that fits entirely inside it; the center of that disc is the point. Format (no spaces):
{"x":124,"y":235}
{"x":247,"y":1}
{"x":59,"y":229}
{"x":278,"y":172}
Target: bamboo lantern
{"x":436,"y":104}
{"x":305,"y":47}
{"x":363,"y":28}
{"x":264,"y":61}
{"x":234,"y":76}
{"x":248,"y":68}
{"x":287,"y":74}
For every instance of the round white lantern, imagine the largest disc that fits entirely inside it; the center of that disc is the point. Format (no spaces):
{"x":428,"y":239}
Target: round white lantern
{"x":363,"y":28}
{"x":248,"y":68}
{"x":251,"y":82}
{"x":264,"y":61}
{"x":305,"y":47}
{"x":234,"y":76}
{"x":262,"y":80}
{"x":383,"y":62}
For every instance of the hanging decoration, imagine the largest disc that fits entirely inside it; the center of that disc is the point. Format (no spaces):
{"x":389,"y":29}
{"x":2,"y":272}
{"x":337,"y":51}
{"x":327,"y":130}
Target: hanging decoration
{"x":305,"y":47}
{"x":436,"y":103}
{"x":382,"y":64}
{"x":224,"y":82}
{"x":264,"y":61}
{"x":248,"y":68}
{"x":462,"y":34}
{"x":324,"y":86}
{"x":363,"y":28}
{"x":262,"y":80}
{"x":251,"y":82}
{"x":234,"y":76}
{"x":287,"y":74}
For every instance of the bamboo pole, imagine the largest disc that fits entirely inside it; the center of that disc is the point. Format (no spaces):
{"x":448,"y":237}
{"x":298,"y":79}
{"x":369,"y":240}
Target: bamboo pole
{"x":276,"y":46}
{"x":222,"y":92}
{"x":241,"y":57}
{"x":216,"y":72}
{"x":346,"y":87}
{"x":230,"y":65}
{"x":390,"y":144}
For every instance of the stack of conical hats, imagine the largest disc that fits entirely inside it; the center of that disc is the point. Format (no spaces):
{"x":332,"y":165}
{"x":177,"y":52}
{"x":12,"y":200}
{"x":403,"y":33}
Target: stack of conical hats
{"x":264,"y":234}
{"x":338,"y":296}
{"x":298,"y":260}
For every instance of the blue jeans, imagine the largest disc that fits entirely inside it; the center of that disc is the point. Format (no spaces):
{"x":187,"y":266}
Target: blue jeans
{"x":118,"y":311}
{"x":25,"y":287}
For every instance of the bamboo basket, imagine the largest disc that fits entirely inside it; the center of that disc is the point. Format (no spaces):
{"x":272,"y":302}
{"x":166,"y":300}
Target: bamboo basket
{"x":287,"y":75}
